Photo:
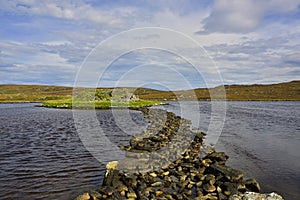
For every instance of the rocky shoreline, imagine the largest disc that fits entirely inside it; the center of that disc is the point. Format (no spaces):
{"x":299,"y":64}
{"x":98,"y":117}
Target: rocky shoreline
{"x":170,"y":161}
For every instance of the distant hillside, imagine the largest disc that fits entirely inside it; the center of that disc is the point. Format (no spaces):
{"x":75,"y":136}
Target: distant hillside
{"x":280,"y":91}
{"x":39,"y":93}
{"x":33,"y":93}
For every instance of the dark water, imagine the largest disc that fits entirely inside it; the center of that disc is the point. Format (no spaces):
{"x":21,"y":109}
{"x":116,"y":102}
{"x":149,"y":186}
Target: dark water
{"x":262,"y":139}
{"x":42,"y":156}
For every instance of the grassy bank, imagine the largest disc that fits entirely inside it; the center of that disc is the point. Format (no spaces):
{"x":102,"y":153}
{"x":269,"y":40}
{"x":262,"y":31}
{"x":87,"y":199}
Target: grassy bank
{"x":67,"y":103}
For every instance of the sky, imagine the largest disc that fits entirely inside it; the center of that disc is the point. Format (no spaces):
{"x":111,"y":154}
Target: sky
{"x":193,"y":43}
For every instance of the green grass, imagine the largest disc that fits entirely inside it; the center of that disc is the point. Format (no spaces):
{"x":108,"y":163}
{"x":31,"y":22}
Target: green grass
{"x":67,"y":103}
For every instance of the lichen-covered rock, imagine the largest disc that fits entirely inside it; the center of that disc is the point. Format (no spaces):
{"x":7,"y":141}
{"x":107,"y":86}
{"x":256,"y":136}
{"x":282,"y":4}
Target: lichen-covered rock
{"x":112,"y":165}
{"x":256,"y":196}
{"x":84,"y":196}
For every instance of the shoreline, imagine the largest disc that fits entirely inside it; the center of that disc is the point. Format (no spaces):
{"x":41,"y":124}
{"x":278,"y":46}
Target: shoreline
{"x":263,"y":100}
{"x":194,"y":172}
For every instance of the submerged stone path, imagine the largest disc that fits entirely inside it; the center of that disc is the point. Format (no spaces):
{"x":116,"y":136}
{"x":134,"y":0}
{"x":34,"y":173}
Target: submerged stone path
{"x":170,"y":161}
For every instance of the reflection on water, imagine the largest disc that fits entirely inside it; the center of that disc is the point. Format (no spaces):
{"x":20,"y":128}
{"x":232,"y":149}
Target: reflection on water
{"x":42,"y":156}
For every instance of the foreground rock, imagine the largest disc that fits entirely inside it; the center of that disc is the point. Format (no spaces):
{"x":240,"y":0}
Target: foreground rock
{"x":256,"y":196}
{"x":169,"y":161}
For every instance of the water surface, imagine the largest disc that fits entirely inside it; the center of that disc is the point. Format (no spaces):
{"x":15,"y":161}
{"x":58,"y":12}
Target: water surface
{"x":262,"y":139}
{"x":42,"y":156}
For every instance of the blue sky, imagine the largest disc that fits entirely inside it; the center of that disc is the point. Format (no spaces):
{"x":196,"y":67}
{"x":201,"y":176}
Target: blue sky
{"x":250,"y":41}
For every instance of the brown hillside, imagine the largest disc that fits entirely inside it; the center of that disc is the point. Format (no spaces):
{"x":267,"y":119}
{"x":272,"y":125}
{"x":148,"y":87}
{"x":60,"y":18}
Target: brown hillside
{"x":38,"y":93}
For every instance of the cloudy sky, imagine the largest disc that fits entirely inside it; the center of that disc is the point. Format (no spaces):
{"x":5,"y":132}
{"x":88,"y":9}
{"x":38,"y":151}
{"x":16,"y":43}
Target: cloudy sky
{"x":249,"y":41}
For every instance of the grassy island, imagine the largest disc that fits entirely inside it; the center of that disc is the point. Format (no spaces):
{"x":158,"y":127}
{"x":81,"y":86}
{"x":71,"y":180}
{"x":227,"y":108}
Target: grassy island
{"x":101,"y":99}
{"x":67,"y":103}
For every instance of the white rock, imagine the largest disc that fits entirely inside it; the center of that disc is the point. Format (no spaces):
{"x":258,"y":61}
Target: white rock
{"x":256,"y":196}
{"x":111,"y":166}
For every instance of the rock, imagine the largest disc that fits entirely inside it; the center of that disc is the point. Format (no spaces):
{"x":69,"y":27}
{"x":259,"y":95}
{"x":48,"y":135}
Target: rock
{"x":230,"y":188}
{"x":166,"y":173}
{"x":131,"y":194}
{"x":130,"y":180}
{"x":252,"y":185}
{"x":222,"y":196}
{"x":147,"y":178}
{"x":110,"y":172}
{"x":209,"y":188}
{"x":119,"y":186}
{"x":111,"y":177}
{"x":106,"y":190}
{"x":154,"y":175}
{"x":179,"y":169}
{"x":148,"y":191}
{"x":227,"y":192}
{"x":209,"y":197}
{"x":230,"y":173}
{"x":219,"y":189}
{"x":199,"y":184}
{"x":134,"y":141}
{"x":206,"y":150}
{"x":84,"y":196}
{"x":125,"y":148}
{"x":118,"y":196}
{"x":206,"y":162}
{"x":95,"y":195}
{"x":111,"y":165}
{"x":256,"y":196}
{"x":189,"y":193}
{"x":211,"y":179}
{"x":241,"y":187}
{"x":183,"y":177}
{"x":183,"y":185}
{"x":157,"y":184}
{"x":167,"y":166}
{"x":158,"y":193}
{"x":219,"y":157}
{"x":123,"y":193}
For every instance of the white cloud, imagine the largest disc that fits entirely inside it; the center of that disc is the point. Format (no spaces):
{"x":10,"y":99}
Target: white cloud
{"x":23,"y":63}
{"x":69,"y":10}
{"x":257,"y":61}
{"x":244,"y":16}
{"x":56,"y":43}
